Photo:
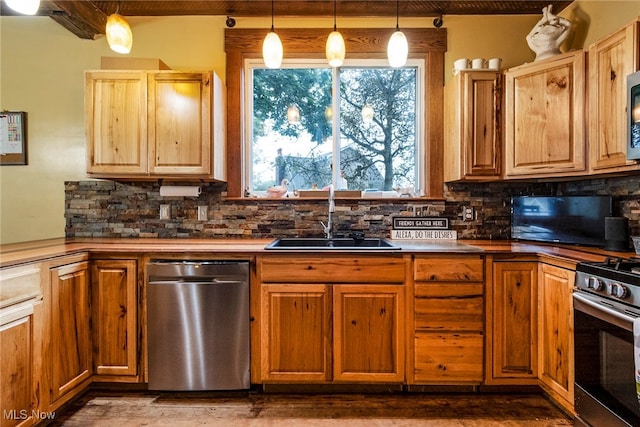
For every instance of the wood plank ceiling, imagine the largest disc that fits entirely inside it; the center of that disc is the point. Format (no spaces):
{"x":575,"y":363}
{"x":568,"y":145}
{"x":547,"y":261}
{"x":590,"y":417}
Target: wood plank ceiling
{"x":87,"y":18}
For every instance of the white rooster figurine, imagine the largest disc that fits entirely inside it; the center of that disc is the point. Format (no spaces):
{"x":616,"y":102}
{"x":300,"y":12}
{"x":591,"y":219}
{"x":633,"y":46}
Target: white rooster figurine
{"x":278,"y":191}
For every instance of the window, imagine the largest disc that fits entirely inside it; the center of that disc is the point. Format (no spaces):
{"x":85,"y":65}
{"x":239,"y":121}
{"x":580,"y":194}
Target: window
{"x":426,"y":48}
{"x":290,"y":124}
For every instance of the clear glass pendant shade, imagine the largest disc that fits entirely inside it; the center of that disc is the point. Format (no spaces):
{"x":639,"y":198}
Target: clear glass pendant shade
{"x":25,"y":7}
{"x":335,"y":49}
{"x":397,"y":49}
{"x":272,"y":50}
{"x":119,"y":35}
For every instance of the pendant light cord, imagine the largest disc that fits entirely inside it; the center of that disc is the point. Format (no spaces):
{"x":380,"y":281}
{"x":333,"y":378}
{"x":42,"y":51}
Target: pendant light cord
{"x":272,"y":29}
{"x":397,"y":15}
{"x":335,"y":27}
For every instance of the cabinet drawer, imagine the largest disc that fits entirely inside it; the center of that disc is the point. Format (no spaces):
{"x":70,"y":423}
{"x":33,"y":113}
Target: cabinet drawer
{"x":331,"y":269}
{"x":19,"y":284}
{"x":448,"y":357}
{"x":449,"y":314}
{"x":443,"y":268}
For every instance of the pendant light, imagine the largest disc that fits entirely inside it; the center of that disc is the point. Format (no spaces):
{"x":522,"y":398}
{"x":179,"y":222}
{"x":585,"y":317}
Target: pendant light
{"x":272,"y":47}
{"x":397,"y":48}
{"x":118,"y":31}
{"x":25,"y":7}
{"x":367,"y":113}
{"x":335,"y":49}
{"x":293,"y":114}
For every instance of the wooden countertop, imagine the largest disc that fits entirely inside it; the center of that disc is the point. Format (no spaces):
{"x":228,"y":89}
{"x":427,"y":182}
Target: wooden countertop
{"x":21,"y":253}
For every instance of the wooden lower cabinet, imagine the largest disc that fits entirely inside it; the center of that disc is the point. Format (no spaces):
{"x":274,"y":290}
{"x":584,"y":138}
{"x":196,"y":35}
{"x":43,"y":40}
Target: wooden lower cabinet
{"x":331,"y":319}
{"x":449,"y":357}
{"x":555,"y":333}
{"x":296,"y":337}
{"x":512,"y":317}
{"x":368,"y":331}
{"x":68,"y":337}
{"x":16,"y":365}
{"x":115,"y":320}
{"x":365,"y":344}
{"x":449,"y":320}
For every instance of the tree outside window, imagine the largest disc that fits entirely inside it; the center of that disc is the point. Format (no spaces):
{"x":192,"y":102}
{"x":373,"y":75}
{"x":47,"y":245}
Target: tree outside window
{"x":377,"y":118}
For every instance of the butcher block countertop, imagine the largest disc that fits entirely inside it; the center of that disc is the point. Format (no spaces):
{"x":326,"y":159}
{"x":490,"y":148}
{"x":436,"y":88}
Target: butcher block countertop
{"x":22,"y":253}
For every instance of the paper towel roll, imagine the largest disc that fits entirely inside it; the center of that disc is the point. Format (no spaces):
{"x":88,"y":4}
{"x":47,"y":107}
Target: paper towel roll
{"x":180,"y":190}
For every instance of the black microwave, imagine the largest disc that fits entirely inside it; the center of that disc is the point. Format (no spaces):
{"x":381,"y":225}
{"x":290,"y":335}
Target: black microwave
{"x":633,"y":116}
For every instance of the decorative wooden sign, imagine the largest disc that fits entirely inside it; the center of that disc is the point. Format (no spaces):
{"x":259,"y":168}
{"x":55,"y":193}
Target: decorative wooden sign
{"x":422,"y":228}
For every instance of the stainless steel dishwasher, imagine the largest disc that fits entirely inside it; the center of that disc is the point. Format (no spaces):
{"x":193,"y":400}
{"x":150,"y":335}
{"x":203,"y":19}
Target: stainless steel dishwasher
{"x":198,"y":325}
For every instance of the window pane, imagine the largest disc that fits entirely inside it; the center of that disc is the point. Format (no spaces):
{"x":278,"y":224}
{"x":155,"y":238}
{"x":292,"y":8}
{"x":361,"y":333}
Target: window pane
{"x":378,"y":128}
{"x":292,"y":121}
{"x":282,"y":147}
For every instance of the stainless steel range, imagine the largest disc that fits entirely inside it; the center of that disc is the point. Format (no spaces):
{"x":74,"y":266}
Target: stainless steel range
{"x":606,"y":302}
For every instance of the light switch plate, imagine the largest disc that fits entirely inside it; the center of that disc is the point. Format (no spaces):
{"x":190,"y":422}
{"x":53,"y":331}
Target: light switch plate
{"x":202,"y":213}
{"x":165,"y":211}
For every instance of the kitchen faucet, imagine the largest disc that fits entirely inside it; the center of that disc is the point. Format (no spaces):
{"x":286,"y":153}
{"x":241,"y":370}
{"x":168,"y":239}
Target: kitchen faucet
{"x":328,"y":228}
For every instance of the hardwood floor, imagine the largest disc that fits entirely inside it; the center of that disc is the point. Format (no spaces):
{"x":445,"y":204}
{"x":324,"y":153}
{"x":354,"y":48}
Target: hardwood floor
{"x":248,"y":409}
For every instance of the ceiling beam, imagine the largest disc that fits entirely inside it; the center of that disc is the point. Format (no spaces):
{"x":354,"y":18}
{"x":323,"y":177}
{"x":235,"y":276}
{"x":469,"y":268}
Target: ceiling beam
{"x":83,"y":18}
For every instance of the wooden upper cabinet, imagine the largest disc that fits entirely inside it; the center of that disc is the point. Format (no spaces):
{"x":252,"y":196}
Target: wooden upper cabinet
{"x":473,"y":126}
{"x":154,"y":124}
{"x":545,"y":117}
{"x":610,"y":61}
{"x":185,"y":124}
{"x":116,"y":122}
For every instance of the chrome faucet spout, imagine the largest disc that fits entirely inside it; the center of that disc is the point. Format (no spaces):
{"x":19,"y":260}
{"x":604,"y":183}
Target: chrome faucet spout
{"x":328,"y":229}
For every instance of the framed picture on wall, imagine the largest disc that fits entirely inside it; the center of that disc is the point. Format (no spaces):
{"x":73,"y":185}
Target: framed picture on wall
{"x":13,"y":138}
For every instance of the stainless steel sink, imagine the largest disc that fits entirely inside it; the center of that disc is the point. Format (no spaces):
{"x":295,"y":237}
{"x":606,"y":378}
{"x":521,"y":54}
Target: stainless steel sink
{"x":367,"y":243}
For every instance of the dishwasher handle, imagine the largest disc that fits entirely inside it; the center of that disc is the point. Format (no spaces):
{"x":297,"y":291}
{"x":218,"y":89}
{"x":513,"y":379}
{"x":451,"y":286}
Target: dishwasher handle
{"x":213,"y":281}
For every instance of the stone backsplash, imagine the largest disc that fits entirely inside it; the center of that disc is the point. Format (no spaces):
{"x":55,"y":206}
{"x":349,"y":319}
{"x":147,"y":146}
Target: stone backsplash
{"x":131,"y":209}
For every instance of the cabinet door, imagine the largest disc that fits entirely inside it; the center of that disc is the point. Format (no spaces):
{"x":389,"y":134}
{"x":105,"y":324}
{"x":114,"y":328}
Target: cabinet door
{"x":368,"y":333}
{"x":114,"y":317}
{"x":295,"y":335}
{"x":15,"y":372}
{"x":555,"y":332}
{"x":473,"y":125}
{"x":610,"y":61}
{"x":116,"y":122}
{"x":180,"y":123}
{"x":514,"y":323}
{"x":545,"y":125}
{"x":70,"y":340}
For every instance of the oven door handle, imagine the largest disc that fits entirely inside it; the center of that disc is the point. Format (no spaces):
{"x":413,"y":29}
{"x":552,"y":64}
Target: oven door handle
{"x":600,"y":311}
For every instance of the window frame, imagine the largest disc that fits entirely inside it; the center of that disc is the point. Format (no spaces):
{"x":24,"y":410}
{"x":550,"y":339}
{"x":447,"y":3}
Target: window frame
{"x":252,"y":63}
{"x":427,"y":43}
